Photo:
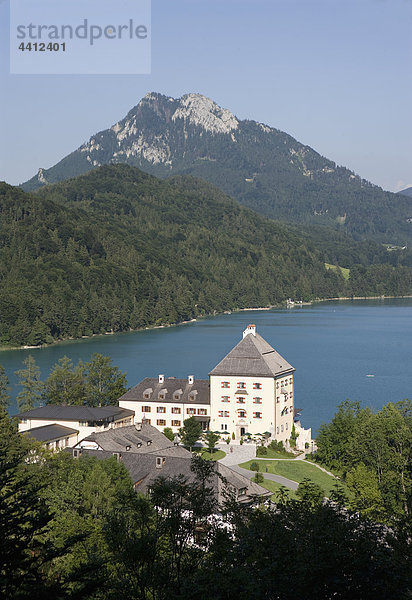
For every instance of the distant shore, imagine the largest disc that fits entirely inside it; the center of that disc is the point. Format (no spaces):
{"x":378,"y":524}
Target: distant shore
{"x":166,"y":325}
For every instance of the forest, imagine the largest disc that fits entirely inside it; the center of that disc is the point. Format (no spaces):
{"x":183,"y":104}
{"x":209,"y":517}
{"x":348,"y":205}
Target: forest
{"x":75,"y":529}
{"x":118,"y":249}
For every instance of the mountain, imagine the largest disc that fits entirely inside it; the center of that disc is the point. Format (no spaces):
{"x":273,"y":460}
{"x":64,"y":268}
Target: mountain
{"x":118,"y":249}
{"x":261,"y":167}
{"x":406,"y":192}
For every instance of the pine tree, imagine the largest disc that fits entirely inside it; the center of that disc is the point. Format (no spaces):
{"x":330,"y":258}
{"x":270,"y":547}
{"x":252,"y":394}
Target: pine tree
{"x":4,"y":389}
{"x":31,"y":384}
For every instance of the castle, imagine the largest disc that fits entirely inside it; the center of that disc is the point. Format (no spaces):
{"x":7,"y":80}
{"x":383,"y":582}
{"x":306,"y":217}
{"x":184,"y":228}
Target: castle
{"x":250,"y":391}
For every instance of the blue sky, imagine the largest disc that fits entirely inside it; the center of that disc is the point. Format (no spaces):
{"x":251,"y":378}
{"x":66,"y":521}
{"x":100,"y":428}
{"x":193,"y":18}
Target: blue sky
{"x":335,"y":74}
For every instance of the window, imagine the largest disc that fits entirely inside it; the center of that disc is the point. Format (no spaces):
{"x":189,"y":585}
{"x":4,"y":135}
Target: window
{"x":240,"y":400}
{"x":148,"y":421}
{"x":139,"y":445}
{"x":286,"y":426}
{"x":225,"y":384}
{"x":291,"y":380}
{"x":201,"y":411}
{"x":176,"y":410}
{"x":145,"y":409}
{"x":257,"y":400}
{"x":241,"y":385}
{"x":223,"y":413}
{"x":257,"y":415}
{"x":257,"y":386}
{"x":242,"y":492}
{"x":128,"y":448}
{"x":176,"y":423}
{"x":281,"y":428}
{"x":242,"y":414}
{"x":291,"y":395}
{"x":160,"y":461}
{"x":277,"y":429}
{"x":146,"y":396}
{"x":23,"y":420}
{"x":277,"y":385}
{"x":223,"y":427}
{"x":176,"y":397}
{"x":148,"y":443}
{"x":82,"y":423}
{"x":161,"y":409}
{"x":225,"y":399}
{"x":191,"y":411}
{"x":161,"y":421}
{"x":161,"y":396}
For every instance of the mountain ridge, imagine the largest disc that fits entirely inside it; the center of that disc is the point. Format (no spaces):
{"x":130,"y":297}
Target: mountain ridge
{"x":262,"y":167}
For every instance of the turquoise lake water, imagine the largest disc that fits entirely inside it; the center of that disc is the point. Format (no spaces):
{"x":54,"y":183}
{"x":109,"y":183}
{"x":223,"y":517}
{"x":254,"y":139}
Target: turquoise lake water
{"x":334,"y":346}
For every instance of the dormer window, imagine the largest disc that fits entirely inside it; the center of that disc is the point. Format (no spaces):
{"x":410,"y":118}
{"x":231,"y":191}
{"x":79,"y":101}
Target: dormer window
{"x":242,"y":492}
{"x":160,"y":461}
{"x":128,"y":448}
{"x":139,"y":445}
{"x":149,"y":442}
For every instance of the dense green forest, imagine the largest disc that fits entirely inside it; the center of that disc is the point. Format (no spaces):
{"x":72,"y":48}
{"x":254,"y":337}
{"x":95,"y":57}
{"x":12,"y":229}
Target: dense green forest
{"x":75,"y":529}
{"x":118,"y":249}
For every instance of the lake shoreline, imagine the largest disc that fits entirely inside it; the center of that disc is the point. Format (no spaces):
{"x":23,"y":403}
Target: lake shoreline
{"x":165,"y":326}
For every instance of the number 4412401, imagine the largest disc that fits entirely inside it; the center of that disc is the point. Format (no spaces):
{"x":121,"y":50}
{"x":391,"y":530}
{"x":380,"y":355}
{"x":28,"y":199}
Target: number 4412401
{"x":43,"y":47}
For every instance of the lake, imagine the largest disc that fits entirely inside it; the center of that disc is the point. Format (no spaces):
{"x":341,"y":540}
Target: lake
{"x":334,"y":346}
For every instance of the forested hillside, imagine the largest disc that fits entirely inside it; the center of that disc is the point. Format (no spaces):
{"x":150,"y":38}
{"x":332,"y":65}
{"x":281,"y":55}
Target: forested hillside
{"x":118,"y":249}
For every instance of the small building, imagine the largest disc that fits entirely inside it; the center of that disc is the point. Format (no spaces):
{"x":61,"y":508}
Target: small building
{"x":167,"y":402}
{"x":54,"y":437}
{"x":147,"y":453}
{"x":80,"y":420}
{"x":252,"y":390}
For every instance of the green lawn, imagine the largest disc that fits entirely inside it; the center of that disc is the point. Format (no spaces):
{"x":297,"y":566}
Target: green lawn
{"x":274,"y":454}
{"x":296,"y":470}
{"x":345,"y":272}
{"x":274,"y":487}
{"x":216,"y":455}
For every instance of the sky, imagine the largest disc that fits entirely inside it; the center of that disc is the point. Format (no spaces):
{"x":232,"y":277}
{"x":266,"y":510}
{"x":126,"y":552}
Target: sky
{"x":334,"y":74}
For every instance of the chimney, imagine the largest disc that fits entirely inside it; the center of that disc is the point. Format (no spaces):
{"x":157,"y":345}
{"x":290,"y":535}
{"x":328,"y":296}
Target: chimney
{"x":161,"y":378}
{"x":191,"y":379}
{"x":249,"y":329}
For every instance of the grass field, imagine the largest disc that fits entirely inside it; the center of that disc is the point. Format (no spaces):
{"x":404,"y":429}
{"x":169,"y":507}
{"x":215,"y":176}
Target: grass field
{"x":296,"y":470}
{"x":274,"y":487}
{"x":345,"y":272}
{"x":217,"y":454}
{"x":274,"y":454}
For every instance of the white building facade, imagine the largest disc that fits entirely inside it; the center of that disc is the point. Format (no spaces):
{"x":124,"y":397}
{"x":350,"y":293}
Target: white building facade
{"x":252,"y":390}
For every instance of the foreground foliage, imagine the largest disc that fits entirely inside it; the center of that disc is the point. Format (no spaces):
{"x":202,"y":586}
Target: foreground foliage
{"x":373,"y":453}
{"x":75,"y":529}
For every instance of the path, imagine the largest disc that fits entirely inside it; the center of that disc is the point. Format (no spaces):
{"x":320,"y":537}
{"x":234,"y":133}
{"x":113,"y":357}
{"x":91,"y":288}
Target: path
{"x":247,"y":452}
{"x":293,"y":485}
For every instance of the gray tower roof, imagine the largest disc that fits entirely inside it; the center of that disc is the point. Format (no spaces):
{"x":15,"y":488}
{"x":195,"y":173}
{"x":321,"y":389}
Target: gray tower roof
{"x":253,"y":356}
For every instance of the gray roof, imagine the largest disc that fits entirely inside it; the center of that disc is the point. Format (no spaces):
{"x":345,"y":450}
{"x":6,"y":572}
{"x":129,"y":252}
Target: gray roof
{"x":50,"y":433}
{"x":116,"y":440}
{"x":253,"y":356}
{"x":200,"y":388}
{"x":143,"y":471}
{"x":77,"y":413}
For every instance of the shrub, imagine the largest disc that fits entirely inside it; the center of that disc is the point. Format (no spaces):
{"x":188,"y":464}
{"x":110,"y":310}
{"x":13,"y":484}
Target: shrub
{"x":258,"y":478}
{"x":254,"y":466}
{"x":261,"y":451}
